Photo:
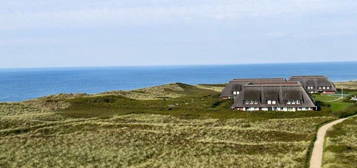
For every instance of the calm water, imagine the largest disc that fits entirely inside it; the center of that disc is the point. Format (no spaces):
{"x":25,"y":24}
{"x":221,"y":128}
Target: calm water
{"x":23,"y":84}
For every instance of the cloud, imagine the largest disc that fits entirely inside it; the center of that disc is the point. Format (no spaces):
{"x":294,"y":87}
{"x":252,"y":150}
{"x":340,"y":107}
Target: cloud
{"x":82,"y":13}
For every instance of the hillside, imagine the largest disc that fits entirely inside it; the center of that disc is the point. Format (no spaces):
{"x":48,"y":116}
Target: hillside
{"x":351,"y":85}
{"x":174,"y":125}
{"x":340,"y":148}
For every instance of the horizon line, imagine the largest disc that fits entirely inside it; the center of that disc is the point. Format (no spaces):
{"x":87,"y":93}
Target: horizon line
{"x":170,"y":65}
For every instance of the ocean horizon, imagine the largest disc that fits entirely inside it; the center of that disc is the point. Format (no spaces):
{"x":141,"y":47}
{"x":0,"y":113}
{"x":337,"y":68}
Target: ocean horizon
{"x":19,"y":84}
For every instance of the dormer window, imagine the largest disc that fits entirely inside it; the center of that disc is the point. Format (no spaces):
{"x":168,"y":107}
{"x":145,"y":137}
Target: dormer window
{"x":235,"y":92}
{"x":271,"y":102}
{"x":328,"y":87}
{"x":294,"y":102}
{"x":324,"y":87}
{"x":250,"y":102}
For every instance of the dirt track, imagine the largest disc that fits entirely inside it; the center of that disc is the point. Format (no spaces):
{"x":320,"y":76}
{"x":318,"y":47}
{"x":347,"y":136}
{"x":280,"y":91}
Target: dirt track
{"x":317,"y":153}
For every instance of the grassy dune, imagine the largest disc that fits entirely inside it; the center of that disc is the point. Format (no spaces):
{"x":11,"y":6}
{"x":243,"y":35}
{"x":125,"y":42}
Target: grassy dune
{"x":175,"y":125}
{"x":340,"y":147}
{"x":143,"y":140}
{"x":351,"y":85}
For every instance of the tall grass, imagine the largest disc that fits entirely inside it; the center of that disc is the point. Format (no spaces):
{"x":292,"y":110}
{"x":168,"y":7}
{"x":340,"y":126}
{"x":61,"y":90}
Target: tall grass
{"x":195,"y":129}
{"x":340,"y":147}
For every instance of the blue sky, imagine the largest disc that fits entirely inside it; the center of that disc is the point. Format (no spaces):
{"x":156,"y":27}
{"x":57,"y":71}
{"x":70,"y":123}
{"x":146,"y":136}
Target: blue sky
{"x":52,"y":33}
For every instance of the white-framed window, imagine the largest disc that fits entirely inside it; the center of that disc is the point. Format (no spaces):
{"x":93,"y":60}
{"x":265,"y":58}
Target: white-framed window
{"x":251,"y":102}
{"x":289,"y":102}
{"x":298,"y":102}
{"x":271,"y":102}
{"x":328,"y":87}
{"x":324,"y":87}
{"x":235,"y":92}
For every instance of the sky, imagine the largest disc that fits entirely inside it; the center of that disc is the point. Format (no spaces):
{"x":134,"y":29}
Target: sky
{"x":60,"y":33}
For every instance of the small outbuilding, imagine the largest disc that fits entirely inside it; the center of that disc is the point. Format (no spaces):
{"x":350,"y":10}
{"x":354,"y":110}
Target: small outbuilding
{"x":354,"y":98}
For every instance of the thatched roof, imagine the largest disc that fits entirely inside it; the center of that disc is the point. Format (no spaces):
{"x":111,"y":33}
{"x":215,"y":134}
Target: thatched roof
{"x":237,"y":84}
{"x":315,"y":82}
{"x":281,"y":93}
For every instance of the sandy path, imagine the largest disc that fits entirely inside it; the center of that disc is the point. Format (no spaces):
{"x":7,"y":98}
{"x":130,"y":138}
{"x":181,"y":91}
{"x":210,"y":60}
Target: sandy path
{"x":317,"y":153}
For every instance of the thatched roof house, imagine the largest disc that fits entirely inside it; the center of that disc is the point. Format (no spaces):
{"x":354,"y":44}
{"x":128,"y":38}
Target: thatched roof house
{"x":235,"y":86}
{"x":273,"y":96}
{"x":315,"y":84}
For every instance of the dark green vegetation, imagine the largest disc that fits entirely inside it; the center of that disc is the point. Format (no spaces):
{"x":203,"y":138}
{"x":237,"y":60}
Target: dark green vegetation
{"x":202,"y":106}
{"x":175,"y":125}
{"x":340,"y":147}
{"x":336,"y":105}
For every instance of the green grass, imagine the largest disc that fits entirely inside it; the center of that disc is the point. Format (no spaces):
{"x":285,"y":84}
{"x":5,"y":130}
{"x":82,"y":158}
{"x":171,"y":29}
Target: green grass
{"x":340,"y":147}
{"x":190,"y":127}
{"x":144,"y":140}
{"x":333,"y":102}
{"x":200,"y":106}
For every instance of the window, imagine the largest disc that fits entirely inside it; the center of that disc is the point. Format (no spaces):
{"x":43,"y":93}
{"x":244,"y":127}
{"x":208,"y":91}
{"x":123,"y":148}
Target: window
{"x":235,"y":92}
{"x":251,"y":102}
{"x":271,"y":102}
{"x":328,"y":87}
{"x":289,"y":102}
{"x":324,"y":87}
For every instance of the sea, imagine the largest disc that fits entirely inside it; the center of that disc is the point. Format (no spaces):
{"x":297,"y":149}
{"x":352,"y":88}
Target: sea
{"x":28,"y":83}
